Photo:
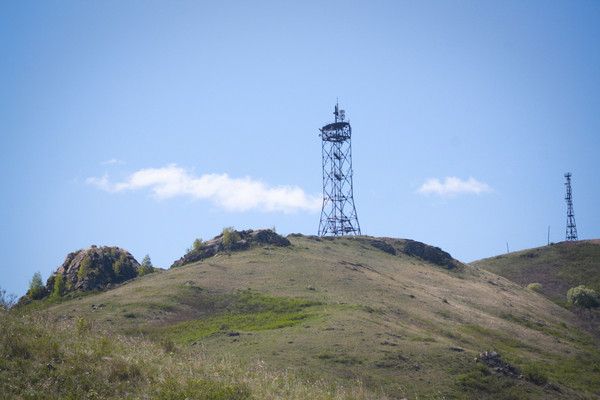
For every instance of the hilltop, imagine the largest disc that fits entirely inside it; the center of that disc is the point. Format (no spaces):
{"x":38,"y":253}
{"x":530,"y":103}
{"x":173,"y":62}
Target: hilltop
{"x":403,"y":318}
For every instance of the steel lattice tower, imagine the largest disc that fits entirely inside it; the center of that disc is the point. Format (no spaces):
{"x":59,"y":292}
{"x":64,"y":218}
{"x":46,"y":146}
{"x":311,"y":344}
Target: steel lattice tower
{"x":571,"y":227}
{"x":338,"y":215}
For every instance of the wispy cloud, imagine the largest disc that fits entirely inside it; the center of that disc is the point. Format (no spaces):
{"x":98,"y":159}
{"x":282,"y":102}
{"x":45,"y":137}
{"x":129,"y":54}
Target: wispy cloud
{"x":453,"y":186}
{"x":231,"y":194}
{"x":112,"y":161}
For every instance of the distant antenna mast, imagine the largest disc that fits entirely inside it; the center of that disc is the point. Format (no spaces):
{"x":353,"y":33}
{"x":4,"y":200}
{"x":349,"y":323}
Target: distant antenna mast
{"x":571,"y":227}
{"x":338,"y":216}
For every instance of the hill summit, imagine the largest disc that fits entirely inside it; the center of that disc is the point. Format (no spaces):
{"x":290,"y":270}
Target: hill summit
{"x":93,"y":268}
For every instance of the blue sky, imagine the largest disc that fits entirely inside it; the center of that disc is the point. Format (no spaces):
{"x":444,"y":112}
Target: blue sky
{"x":147,"y":124}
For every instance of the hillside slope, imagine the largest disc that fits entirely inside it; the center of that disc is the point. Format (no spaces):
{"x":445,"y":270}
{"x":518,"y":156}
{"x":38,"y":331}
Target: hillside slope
{"x":380,"y":311}
{"x":557,"y":267}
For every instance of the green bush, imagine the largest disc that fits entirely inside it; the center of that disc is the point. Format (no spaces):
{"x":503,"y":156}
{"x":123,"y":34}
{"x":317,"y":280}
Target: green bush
{"x":536,"y":287}
{"x":59,"y":286}
{"x":582,"y":296}
{"x":85,"y":268}
{"x":535,"y":375}
{"x":230,"y":236}
{"x":36,"y":287}
{"x":121,"y":265}
{"x":146,"y":267}
{"x":196,"y":246}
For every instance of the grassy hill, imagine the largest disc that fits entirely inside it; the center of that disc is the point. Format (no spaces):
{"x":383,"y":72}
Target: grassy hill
{"x":557,"y":267}
{"x":361,"y":317}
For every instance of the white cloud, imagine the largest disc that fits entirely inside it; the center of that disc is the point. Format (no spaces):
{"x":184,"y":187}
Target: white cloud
{"x":453,"y":186}
{"x":112,"y":161}
{"x":232,"y":194}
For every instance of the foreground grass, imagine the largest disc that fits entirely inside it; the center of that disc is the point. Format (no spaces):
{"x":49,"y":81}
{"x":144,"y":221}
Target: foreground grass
{"x":45,"y":359}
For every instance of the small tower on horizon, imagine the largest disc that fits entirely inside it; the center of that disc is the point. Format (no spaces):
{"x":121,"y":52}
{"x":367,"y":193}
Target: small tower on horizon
{"x":571,"y":227}
{"x":338,"y":215}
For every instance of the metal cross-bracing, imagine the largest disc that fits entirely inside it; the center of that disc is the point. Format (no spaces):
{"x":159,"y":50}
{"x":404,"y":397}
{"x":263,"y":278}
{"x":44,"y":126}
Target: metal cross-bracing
{"x":571,"y":227}
{"x":338,"y":215}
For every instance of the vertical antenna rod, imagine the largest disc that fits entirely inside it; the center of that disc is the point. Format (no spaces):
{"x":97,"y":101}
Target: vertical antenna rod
{"x":338,"y":215}
{"x":571,"y":227}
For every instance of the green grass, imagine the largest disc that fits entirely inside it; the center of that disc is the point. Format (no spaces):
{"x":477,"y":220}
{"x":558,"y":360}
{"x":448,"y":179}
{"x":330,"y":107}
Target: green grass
{"x":240,"y":311}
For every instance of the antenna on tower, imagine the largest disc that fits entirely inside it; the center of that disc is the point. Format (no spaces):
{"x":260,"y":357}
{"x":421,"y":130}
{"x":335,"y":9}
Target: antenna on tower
{"x":338,"y":215}
{"x":571,"y":227}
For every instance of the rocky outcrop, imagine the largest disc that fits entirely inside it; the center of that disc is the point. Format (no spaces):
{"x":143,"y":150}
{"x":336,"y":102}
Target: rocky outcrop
{"x":434,"y":255}
{"x":499,"y":366}
{"x":233,"y":241}
{"x":382,"y":245}
{"x":92,"y":268}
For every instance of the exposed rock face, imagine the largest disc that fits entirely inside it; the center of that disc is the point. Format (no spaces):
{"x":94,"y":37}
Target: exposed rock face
{"x":381,"y":245}
{"x":245,"y":240}
{"x":434,"y":255}
{"x":95,"y":267}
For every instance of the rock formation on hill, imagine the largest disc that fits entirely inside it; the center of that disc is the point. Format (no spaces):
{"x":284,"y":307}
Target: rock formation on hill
{"x":94,"y":267}
{"x":434,"y":255}
{"x":232,"y":240}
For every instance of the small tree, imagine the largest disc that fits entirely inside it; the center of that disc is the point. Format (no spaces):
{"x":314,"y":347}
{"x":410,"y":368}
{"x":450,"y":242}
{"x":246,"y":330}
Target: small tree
{"x":36,"y":287}
{"x":85,"y":267}
{"x":197,"y":245}
{"x":146,"y":267}
{"x":59,"y":286}
{"x":582,"y":296}
{"x":117,"y":267}
{"x":230,"y":236}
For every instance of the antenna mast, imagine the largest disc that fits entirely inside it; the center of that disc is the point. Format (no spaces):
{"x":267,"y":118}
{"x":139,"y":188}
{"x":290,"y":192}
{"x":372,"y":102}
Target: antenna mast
{"x":571,"y":227}
{"x":338,"y":215}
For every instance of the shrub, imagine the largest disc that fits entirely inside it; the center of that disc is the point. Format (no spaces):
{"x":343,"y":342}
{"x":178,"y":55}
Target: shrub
{"x":230,"y":236}
{"x":7,"y":301}
{"x":196,"y":246}
{"x":59,"y":286}
{"x":120,"y":266}
{"x":535,"y":375}
{"x":536,"y":287}
{"x":582,"y":296}
{"x":36,"y":287}
{"x":85,"y":268}
{"x":146,"y":267}
{"x":117,"y":268}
